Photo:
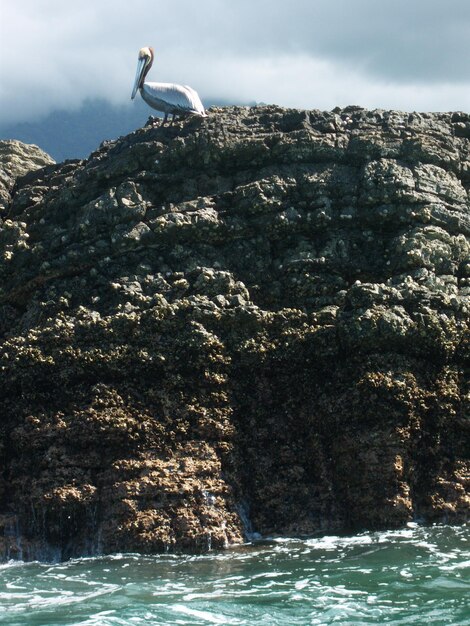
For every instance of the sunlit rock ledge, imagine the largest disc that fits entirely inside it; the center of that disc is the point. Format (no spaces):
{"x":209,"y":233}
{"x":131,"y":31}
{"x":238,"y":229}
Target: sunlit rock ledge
{"x":256,"y":322}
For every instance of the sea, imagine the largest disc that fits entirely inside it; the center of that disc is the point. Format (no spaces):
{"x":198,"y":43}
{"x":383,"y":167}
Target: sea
{"x":418,"y":575}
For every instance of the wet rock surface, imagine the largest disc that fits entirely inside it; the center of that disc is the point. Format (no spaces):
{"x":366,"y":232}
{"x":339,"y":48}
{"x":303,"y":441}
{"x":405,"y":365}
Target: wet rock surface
{"x":258,"y":321}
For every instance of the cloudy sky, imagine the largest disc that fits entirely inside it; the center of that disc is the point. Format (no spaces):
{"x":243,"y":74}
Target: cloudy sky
{"x":406,"y":54}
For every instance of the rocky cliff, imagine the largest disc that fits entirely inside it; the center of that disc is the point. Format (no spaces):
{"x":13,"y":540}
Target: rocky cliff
{"x":254,"y":322}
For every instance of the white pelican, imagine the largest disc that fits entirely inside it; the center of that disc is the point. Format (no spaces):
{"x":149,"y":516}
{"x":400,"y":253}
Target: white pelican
{"x":165,"y":97}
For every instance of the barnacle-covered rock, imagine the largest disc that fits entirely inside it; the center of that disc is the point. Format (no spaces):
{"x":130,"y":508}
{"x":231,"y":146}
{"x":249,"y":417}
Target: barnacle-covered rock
{"x":262,"y":313}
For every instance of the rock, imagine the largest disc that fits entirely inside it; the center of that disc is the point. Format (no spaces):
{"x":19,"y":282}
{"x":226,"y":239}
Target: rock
{"x":16,"y":160}
{"x":266,"y":310}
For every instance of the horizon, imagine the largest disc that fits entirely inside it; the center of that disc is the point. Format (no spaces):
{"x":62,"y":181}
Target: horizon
{"x":71,"y":134}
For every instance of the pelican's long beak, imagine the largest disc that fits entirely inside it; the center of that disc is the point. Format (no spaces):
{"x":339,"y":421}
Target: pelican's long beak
{"x":141,"y":63}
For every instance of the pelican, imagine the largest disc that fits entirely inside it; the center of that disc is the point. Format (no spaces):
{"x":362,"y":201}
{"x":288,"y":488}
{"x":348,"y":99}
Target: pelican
{"x":165,"y":97}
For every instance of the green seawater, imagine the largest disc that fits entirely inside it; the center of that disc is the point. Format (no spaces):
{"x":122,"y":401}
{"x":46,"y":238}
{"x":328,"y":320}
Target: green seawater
{"x":419,"y":575}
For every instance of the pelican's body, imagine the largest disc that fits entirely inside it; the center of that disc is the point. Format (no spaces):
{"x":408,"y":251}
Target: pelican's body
{"x":165,"y":97}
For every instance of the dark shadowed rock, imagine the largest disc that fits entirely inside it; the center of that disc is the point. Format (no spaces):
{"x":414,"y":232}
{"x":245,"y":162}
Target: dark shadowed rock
{"x":263,"y":315}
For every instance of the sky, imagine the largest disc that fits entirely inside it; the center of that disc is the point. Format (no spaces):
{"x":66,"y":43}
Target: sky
{"x":314,"y":54}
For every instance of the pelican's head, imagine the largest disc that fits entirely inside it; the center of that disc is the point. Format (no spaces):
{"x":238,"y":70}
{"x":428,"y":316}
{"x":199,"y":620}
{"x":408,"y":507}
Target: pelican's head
{"x":144,"y":62}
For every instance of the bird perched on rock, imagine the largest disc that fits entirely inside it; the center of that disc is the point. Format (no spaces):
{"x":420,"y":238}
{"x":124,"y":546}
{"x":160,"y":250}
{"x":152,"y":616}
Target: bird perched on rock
{"x":165,"y":97}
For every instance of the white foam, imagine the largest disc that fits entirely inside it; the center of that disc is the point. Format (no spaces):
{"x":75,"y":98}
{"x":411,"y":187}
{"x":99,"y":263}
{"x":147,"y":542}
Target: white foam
{"x":212,"y":618}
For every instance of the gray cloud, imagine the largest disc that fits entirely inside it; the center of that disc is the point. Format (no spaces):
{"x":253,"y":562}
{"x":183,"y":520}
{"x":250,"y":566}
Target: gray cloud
{"x":409,"y":54}
{"x":402,"y":40}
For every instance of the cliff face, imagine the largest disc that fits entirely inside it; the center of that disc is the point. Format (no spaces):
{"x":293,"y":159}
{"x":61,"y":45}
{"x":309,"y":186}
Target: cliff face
{"x":254,"y":322}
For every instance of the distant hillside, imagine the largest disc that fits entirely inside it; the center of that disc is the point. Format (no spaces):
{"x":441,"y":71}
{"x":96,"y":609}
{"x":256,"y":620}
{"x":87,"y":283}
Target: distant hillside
{"x":74,"y":134}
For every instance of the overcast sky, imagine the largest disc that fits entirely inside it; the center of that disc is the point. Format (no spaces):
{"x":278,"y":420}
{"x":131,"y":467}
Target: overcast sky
{"x":405,"y":54}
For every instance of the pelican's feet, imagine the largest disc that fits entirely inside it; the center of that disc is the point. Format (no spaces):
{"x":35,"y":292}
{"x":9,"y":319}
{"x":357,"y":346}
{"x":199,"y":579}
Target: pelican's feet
{"x":152,"y":121}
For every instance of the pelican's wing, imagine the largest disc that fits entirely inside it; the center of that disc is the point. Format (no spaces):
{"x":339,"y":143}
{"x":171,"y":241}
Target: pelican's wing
{"x":183,"y":99}
{"x":196,"y":100}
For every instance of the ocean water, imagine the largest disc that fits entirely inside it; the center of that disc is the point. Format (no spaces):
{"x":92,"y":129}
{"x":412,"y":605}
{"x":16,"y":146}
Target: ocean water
{"x":419,"y":575}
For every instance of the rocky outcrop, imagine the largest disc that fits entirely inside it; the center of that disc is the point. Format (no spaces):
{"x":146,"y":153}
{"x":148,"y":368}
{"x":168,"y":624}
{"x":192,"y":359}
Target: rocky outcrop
{"x":16,"y":160}
{"x":257,"y":321}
